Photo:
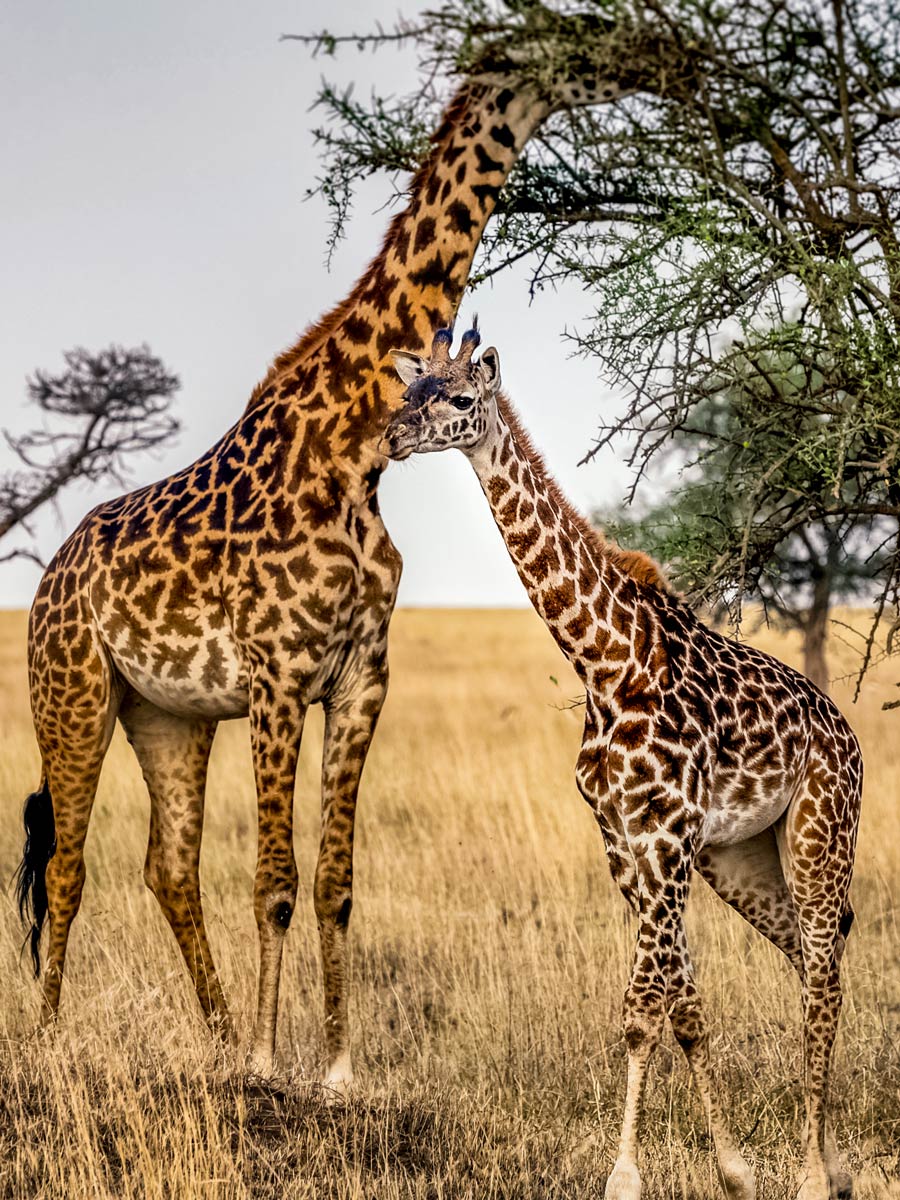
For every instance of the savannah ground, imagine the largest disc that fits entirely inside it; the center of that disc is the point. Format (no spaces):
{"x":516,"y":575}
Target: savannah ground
{"x":489,"y":957}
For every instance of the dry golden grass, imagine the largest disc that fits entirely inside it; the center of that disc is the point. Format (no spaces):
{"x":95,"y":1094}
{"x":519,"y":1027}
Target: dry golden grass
{"x":489,"y":959}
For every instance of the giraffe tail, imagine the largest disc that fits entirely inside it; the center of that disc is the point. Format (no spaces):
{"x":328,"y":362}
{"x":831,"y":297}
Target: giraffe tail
{"x":31,"y":875}
{"x":844,"y":926}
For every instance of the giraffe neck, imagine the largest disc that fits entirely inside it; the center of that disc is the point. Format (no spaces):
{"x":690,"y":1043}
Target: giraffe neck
{"x":431,"y":245}
{"x":582,"y":586}
{"x":340,"y":373}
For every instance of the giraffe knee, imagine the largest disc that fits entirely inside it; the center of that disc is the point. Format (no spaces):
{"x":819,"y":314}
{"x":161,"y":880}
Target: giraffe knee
{"x":275,"y":900}
{"x":688,"y":1026}
{"x":642,"y":1019}
{"x":333,"y":903}
{"x":823,"y":990}
{"x":276,"y":911}
{"x":172,"y":881}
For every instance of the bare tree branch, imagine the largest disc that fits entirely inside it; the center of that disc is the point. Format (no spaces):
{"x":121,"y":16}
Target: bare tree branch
{"x":116,"y":404}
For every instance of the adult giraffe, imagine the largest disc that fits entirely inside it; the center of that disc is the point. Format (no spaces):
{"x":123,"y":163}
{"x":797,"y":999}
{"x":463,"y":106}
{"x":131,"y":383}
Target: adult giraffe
{"x":261,"y":579}
{"x":698,"y":752}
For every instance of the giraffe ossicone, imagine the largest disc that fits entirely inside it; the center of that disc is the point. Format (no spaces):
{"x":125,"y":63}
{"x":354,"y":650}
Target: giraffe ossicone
{"x":699,"y":753}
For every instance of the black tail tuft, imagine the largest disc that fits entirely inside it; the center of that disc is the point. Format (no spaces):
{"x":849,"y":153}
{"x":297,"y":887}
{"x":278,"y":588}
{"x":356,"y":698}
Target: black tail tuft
{"x":31,"y":876}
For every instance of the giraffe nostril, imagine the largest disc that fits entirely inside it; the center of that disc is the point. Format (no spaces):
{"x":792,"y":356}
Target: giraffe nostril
{"x":400,"y":428}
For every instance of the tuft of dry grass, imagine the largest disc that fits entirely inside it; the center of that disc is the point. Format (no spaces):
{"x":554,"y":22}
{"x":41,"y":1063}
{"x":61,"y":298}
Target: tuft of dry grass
{"x":490,"y":953}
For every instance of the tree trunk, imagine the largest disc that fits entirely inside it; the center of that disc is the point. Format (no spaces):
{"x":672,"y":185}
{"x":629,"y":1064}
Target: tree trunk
{"x":815,"y":664}
{"x":815,"y":631}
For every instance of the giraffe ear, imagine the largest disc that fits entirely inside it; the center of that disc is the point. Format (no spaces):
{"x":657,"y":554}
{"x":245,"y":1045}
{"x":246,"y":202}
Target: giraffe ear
{"x":489,"y":365}
{"x":409,"y":366}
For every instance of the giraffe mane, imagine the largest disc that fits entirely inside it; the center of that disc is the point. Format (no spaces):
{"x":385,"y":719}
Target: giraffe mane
{"x":316,"y":333}
{"x":639,"y":566}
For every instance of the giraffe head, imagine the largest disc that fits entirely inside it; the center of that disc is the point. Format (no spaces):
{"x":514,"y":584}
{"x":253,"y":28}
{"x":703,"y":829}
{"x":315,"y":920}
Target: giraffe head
{"x":567,"y":59}
{"x":448,"y":402}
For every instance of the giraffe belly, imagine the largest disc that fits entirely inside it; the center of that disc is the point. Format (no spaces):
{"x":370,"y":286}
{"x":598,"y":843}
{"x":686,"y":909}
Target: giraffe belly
{"x":741,"y":809}
{"x":204,"y":679}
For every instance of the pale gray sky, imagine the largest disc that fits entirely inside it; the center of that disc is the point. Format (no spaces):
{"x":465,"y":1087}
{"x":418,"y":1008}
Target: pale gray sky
{"x":155,"y":160}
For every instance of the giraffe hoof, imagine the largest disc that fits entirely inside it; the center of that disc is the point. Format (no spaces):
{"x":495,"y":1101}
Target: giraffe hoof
{"x":337,"y":1083}
{"x":814,"y":1188}
{"x":744,"y":1190}
{"x":260,"y":1067}
{"x":840,"y":1186}
{"x":624,"y":1183}
{"x":334,"y":1095}
{"x":737,"y":1179}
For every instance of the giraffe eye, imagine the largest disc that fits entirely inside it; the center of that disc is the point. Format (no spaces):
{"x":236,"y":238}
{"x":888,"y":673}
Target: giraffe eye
{"x":462,"y":401}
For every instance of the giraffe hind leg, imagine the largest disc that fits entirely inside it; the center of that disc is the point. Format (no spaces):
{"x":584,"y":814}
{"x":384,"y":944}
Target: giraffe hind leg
{"x":750,"y":878}
{"x":173,"y":753}
{"x":816,"y":843}
{"x":73,"y":735}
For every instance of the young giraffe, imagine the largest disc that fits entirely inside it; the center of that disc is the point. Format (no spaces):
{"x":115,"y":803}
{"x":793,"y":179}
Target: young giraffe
{"x":260,"y":580}
{"x":698,"y":752}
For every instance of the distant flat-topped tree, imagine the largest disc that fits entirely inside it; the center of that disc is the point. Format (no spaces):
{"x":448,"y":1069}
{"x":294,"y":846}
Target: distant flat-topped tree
{"x":104,"y":408}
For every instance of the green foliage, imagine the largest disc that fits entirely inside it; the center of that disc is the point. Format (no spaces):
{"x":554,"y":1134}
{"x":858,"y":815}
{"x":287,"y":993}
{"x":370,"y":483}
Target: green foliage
{"x":735,"y":223}
{"x":699,"y":530}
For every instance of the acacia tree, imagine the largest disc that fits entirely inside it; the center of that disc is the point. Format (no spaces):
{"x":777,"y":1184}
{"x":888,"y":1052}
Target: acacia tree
{"x":741,"y":209}
{"x":113,"y":404}
{"x":813,"y":570}
{"x":816,"y":568}
{"x":828,"y":560}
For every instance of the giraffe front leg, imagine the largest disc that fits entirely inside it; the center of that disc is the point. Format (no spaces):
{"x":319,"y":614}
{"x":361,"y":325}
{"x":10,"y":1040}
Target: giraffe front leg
{"x":840,"y":1182}
{"x":689,"y":1027}
{"x":643,"y":1017}
{"x":276,"y":725}
{"x":661,"y":887}
{"x":349,"y":725}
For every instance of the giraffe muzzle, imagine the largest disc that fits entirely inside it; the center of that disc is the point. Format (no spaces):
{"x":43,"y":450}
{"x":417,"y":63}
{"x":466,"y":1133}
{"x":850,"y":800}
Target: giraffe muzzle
{"x":399,"y":440}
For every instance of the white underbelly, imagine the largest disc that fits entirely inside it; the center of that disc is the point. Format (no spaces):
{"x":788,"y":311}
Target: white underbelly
{"x":212,"y":685}
{"x":734,"y":817}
